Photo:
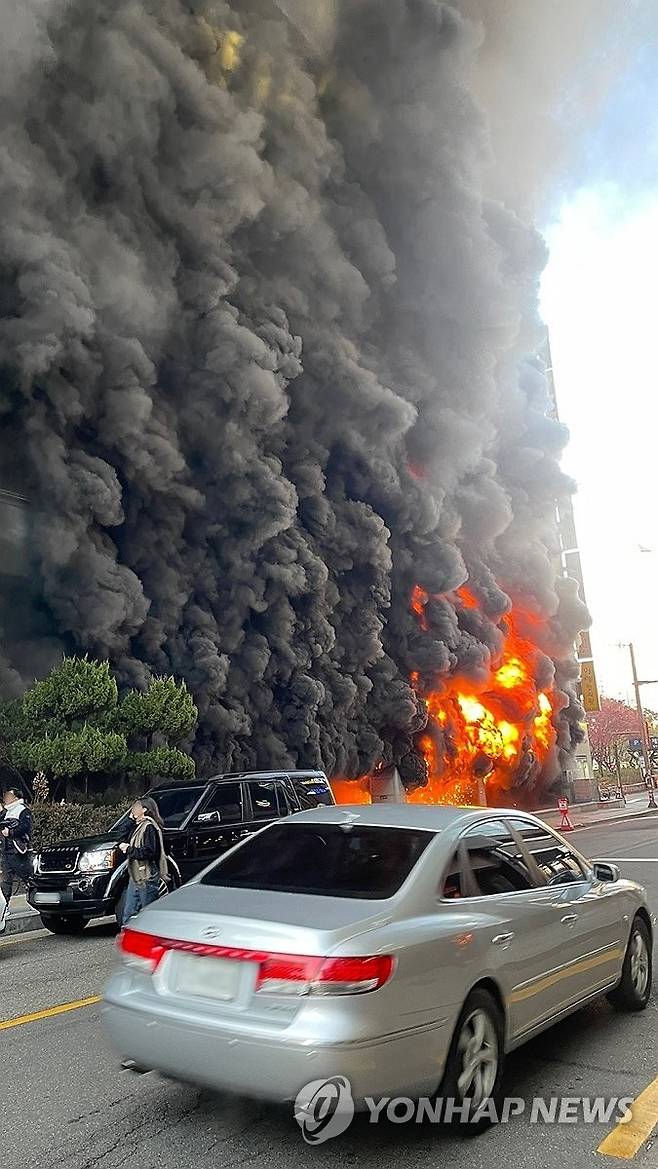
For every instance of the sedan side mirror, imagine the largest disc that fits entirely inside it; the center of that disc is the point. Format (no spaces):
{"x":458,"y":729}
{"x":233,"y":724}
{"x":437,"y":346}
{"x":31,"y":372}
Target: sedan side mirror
{"x":604,"y":871}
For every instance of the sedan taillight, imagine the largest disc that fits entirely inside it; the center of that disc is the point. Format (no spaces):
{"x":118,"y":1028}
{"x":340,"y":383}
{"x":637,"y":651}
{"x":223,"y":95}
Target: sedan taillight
{"x":290,"y":974}
{"x":141,"y":950}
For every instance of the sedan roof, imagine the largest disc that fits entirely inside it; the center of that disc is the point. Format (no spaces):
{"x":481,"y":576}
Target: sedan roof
{"x":431,"y":817}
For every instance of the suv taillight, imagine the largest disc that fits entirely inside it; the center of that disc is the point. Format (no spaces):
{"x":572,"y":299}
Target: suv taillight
{"x":293,"y":974}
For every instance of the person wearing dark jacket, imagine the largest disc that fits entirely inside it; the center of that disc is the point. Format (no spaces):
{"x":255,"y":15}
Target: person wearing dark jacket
{"x":15,"y":838}
{"x":147,"y":862}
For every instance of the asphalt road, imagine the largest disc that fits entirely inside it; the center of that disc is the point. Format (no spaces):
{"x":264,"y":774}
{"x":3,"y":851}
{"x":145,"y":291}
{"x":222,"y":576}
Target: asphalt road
{"x":67,"y":1103}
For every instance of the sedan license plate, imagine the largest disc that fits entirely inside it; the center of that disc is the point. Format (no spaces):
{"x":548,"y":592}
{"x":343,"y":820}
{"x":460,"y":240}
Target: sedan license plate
{"x":208,"y":978}
{"x":47,"y":898}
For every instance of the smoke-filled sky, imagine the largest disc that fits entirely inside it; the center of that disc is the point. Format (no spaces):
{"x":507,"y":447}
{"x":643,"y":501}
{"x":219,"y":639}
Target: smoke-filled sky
{"x":268,"y":290}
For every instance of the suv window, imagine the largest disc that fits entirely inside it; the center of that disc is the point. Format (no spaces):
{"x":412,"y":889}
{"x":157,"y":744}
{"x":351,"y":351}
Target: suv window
{"x":312,"y":791}
{"x":330,"y":860}
{"x":174,"y":805}
{"x":494,"y":862}
{"x":224,"y":805}
{"x":553,"y":857}
{"x":268,"y":800}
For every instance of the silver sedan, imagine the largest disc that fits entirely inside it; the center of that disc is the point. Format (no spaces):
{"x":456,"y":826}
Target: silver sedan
{"x":407,"y":948}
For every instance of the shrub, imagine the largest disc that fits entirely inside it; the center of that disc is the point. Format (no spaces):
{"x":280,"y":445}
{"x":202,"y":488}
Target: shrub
{"x":56,"y":822}
{"x":71,"y":726}
{"x":160,"y":763}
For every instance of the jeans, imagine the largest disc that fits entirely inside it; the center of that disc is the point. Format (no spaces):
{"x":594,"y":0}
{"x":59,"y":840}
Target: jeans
{"x":15,"y":867}
{"x":139,"y":896}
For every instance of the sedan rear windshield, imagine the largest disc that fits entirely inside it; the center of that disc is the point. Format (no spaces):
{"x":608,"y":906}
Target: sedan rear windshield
{"x":327,"y":860}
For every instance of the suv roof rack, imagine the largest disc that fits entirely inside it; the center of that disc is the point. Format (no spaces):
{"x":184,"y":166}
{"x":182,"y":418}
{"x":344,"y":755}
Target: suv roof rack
{"x":253,"y":773}
{"x":308,"y":772}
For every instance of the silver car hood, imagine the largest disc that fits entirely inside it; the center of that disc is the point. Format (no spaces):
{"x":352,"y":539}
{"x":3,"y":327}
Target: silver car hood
{"x":288,"y":922}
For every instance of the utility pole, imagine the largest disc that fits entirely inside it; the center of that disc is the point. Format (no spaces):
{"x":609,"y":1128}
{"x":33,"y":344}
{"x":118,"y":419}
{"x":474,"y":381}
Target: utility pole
{"x":643,"y":728}
{"x":618,"y":769}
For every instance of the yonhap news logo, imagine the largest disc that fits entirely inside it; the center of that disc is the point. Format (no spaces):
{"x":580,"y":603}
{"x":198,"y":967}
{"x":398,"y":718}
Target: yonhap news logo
{"x":324,"y":1109}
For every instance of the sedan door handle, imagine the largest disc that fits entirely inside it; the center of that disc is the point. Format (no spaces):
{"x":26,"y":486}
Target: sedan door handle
{"x":502,"y":939}
{"x":569,"y":918}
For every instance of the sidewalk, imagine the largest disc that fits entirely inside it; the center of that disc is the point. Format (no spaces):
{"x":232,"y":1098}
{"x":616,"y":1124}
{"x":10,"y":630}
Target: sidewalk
{"x":587,"y":815}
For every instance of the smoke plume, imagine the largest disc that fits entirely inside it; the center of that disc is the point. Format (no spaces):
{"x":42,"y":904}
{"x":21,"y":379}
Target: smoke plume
{"x":264,"y":343}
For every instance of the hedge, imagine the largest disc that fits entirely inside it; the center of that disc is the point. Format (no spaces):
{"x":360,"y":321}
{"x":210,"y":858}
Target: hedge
{"x":56,"y":822}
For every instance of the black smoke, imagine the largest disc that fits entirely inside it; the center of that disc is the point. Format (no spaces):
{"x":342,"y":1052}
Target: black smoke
{"x":264,"y":347}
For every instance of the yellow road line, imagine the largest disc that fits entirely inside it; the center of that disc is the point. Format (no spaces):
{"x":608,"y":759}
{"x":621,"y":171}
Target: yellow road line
{"x":50,"y":1012}
{"x":626,"y":1139}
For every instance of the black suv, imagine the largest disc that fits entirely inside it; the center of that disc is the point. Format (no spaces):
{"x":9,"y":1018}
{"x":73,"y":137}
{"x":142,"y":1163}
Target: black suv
{"x":84,"y":878}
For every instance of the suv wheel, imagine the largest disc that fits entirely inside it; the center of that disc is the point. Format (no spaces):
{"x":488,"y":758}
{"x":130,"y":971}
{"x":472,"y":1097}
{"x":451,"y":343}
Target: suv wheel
{"x":118,"y":909}
{"x":164,"y":888}
{"x":64,"y":923}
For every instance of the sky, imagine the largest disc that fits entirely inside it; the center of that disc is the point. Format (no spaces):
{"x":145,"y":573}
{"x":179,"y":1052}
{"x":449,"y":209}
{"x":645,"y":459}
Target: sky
{"x":599,"y":299}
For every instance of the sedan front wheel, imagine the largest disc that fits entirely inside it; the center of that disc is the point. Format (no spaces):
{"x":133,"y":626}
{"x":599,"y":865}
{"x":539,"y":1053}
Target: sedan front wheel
{"x":634,"y":990}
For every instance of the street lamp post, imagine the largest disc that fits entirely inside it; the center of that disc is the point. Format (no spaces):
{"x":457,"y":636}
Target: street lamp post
{"x":643,"y":726}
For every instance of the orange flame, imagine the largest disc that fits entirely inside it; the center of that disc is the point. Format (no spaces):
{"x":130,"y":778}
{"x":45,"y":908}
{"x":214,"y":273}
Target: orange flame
{"x":419,"y":599}
{"x":488,"y":734}
{"x":351,"y":791}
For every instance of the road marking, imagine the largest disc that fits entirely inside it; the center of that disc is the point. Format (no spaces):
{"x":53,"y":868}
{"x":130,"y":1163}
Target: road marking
{"x":626,"y":1139}
{"x":50,"y":1012}
{"x":30,"y":936}
{"x":34,"y":935}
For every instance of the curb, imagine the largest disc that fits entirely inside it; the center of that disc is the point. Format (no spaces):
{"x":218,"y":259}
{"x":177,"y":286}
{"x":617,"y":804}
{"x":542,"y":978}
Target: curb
{"x":22,"y":922}
{"x":602,"y":806}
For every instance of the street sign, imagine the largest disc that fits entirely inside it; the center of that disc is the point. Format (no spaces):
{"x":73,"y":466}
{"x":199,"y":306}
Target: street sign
{"x":589,"y":688}
{"x":585,"y":646}
{"x":563,"y":808}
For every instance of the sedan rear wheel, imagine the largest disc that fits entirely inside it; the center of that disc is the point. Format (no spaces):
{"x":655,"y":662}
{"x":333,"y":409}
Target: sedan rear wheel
{"x":634,"y":990}
{"x":478,"y":1054}
{"x":471,"y":1085}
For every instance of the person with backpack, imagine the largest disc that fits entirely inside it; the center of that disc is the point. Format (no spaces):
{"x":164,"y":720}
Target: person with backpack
{"x":15,"y":840}
{"x":147,"y":861}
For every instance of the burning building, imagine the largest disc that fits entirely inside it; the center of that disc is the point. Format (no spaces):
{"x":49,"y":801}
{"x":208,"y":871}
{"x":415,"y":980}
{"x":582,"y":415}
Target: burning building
{"x":263,"y":364}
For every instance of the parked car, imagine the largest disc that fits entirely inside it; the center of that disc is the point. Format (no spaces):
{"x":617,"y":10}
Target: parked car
{"x":407,"y":948}
{"x":87,"y":877}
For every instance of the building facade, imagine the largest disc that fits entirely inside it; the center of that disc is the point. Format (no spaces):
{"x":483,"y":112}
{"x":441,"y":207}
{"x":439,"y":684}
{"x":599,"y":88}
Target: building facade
{"x":569,"y":564}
